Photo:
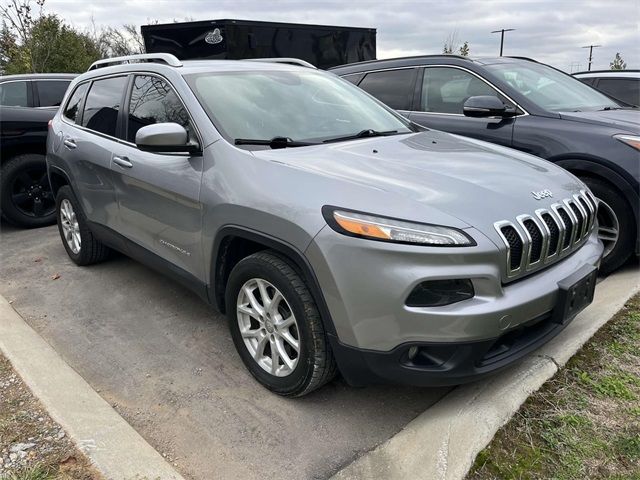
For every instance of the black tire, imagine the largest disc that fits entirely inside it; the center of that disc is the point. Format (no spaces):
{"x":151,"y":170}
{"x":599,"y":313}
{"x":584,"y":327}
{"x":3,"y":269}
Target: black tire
{"x":315,"y":364}
{"x":26,"y":199}
{"x":623,"y":248}
{"x":91,"y":250}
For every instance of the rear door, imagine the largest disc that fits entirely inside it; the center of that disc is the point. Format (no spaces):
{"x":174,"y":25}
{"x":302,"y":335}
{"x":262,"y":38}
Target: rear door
{"x":442,"y":93}
{"x":158,"y":194}
{"x":89,"y":135}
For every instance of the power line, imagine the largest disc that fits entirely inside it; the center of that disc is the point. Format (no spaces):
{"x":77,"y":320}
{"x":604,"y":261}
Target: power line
{"x":501,"y":32}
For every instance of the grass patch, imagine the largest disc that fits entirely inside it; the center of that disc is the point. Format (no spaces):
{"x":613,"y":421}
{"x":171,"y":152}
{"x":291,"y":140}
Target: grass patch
{"x":46,"y":452}
{"x":584,"y":422}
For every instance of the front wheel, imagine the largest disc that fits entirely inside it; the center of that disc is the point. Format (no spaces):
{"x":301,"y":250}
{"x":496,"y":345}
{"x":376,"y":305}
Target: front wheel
{"x":616,"y":224}
{"x":276,"y":326}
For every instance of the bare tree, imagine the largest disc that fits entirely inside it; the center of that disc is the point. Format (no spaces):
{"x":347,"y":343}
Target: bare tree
{"x":451,"y":43}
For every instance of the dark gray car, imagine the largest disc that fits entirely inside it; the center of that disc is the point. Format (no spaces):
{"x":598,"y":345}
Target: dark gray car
{"x":332,"y":232}
{"x":523,"y":104}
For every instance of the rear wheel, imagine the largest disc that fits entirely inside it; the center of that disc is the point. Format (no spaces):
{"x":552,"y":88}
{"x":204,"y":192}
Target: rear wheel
{"x":616,"y":224}
{"x":26,"y":199}
{"x":276,"y":326}
{"x":79,"y":242}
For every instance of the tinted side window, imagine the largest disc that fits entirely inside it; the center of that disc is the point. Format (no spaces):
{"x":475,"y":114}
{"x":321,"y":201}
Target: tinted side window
{"x":51,"y":92}
{"x":589,"y":80}
{"x":14,"y":94}
{"x":393,"y":87}
{"x":625,"y":89}
{"x":154,"y":101}
{"x":444,"y":90}
{"x":72,"y":110}
{"x":353,"y":77}
{"x":103,"y":104}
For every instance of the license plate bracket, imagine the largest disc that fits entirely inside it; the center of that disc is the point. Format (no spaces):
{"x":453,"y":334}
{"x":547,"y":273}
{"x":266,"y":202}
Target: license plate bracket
{"x":575,"y":293}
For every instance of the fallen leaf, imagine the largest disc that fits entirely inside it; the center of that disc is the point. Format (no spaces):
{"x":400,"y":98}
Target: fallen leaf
{"x":55,"y":276}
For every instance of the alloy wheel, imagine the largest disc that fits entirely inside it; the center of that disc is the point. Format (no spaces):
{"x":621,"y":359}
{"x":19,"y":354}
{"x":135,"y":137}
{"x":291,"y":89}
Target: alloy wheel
{"x":608,"y":227}
{"x":31,"y":193}
{"x":268,"y":327}
{"x":70,"y":226}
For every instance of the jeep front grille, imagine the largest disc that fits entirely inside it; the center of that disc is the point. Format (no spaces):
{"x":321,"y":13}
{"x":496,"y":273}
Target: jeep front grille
{"x":541,"y":238}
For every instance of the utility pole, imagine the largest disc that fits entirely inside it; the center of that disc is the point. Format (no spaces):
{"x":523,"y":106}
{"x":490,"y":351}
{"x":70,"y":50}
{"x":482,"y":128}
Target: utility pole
{"x":591,"y":47}
{"x":501,"y":32}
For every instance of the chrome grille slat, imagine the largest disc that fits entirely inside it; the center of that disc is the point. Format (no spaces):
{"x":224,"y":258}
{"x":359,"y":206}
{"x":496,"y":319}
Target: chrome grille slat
{"x":535,"y":240}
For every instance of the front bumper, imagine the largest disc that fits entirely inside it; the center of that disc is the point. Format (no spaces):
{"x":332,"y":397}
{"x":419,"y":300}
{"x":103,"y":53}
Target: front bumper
{"x":365,"y":284}
{"x":443,"y":364}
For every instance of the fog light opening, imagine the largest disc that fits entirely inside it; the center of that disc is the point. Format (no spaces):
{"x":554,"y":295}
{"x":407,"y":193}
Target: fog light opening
{"x":413,"y":351}
{"x":438,"y":293}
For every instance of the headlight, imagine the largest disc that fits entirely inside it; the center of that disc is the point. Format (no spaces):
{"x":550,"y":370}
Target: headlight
{"x":390,"y":230}
{"x":631,"y":140}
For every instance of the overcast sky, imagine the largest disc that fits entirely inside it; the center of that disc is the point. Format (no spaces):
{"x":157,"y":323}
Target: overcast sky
{"x":550,"y":31}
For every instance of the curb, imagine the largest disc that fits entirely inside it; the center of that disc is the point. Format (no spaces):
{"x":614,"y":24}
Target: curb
{"x":112,"y":445}
{"x":442,"y":443}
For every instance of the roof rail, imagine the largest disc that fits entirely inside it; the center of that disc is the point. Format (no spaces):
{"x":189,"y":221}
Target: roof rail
{"x":289,"y":60}
{"x":166,"y":58}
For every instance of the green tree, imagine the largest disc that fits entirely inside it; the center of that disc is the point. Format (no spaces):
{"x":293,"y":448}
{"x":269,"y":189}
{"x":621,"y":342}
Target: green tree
{"x":618,"y":63}
{"x":464,"y":49}
{"x":37,"y":42}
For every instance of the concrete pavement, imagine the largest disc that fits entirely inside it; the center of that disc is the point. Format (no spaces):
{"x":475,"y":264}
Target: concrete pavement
{"x":166,"y":361}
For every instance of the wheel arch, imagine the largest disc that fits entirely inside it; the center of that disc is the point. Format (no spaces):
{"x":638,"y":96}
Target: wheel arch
{"x":606,"y":171}
{"x":603,"y":170}
{"x":233,"y":243}
{"x":57,"y":179}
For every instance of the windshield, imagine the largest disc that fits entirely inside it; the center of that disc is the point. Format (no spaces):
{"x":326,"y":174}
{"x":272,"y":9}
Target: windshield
{"x":304,"y":106}
{"x":550,"y":89}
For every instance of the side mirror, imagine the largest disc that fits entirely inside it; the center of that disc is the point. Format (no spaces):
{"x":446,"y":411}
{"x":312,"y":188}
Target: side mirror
{"x":485,"y":106}
{"x":164,"y":138}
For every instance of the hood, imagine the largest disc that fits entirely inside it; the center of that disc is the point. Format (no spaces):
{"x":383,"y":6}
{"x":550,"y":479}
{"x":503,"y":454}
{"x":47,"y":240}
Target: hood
{"x":476,"y":182}
{"x":627,"y":120}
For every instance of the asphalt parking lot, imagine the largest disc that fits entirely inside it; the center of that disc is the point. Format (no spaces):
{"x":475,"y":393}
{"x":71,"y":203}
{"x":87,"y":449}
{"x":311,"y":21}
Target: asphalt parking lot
{"x":166,"y":361}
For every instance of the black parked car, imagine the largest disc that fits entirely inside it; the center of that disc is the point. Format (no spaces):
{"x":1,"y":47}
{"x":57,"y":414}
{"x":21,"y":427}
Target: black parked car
{"x":623,"y":85}
{"x":523,"y":104}
{"x":27,"y":103}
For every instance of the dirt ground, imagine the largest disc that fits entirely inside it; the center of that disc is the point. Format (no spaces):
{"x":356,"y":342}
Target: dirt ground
{"x":32,"y":445}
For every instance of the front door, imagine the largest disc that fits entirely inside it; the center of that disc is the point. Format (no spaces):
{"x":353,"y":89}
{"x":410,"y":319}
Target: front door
{"x":440,"y":105}
{"x":158,"y":194}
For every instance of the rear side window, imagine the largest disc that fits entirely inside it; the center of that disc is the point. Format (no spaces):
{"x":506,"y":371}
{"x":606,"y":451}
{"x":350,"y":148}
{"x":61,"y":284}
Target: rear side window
{"x":393,"y":87}
{"x":72,"y":110}
{"x":14,"y":94}
{"x":625,"y":89}
{"x":51,"y":92}
{"x":154,"y":101}
{"x":103,"y":104}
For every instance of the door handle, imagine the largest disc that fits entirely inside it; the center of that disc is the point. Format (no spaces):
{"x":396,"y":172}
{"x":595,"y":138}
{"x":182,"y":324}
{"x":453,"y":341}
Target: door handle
{"x":70,"y":144}
{"x":122,"y":161}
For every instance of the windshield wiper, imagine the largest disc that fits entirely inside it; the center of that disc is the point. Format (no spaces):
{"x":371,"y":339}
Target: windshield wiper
{"x":362,"y":134}
{"x":275,"y":142}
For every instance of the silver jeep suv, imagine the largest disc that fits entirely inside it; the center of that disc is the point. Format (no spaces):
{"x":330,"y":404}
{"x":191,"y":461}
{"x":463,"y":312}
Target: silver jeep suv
{"x":334,"y":233}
